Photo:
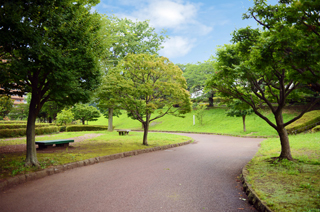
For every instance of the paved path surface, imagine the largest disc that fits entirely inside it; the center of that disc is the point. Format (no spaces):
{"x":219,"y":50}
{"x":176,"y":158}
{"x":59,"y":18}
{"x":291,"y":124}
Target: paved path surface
{"x":197,"y":177}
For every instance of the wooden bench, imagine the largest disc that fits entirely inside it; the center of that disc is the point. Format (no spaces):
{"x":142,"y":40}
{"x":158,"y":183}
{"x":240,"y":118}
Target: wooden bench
{"x":58,"y":143}
{"x":123,"y":132}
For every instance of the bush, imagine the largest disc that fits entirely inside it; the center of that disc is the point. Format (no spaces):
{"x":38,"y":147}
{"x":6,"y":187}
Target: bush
{"x":73,"y":128}
{"x":63,"y":128}
{"x":18,"y":132}
{"x":22,"y":125}
{"x":13,"y":122}
{"x":306,"y":122}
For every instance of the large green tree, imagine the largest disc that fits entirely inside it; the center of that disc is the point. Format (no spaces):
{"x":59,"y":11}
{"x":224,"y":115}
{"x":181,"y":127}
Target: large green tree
{"x":19,"y":111}
{"x":51,"y":49}
{"x":127,"y":37}
{"x":296,"y":23}
{"x":256,"y":69}
{"x":142,"y":83}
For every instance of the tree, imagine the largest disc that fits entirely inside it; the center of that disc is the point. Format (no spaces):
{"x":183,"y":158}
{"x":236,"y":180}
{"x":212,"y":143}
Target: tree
{"x":6,"y":104}
{"x":239,"y":109}
{"x":127,"y":37}
{"x":200,"y":109}
{"x":85,"y":112}
{"x":297,"y":20}
{"x":51,"y":109}
{"x":141,"y":84}
{"x":51,"y":49}
{"x":196,"y":76}
{"x":19,"y":111}
{"x":65,"y":117}
{"x":255,"y":69}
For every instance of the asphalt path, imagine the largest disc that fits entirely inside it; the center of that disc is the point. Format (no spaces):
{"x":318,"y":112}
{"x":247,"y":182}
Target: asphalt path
{"x":201,"y":176}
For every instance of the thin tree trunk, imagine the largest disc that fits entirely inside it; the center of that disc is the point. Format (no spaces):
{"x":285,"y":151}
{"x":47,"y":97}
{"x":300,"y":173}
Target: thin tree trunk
{"x":145,"y":130}
{"x":31,"y":158}
{"x":284,"y":139}
{"x":244,"y":122}
{"x":110,"y":119}
{"x":83,"y":121}
{"x":211,"y":100}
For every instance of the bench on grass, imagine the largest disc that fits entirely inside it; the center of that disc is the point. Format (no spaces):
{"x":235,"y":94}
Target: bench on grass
{"x":123,"y":132}
{"x":58,"y":143}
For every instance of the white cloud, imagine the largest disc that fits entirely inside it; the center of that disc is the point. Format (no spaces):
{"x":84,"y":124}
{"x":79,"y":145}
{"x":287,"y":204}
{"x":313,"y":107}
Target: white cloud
{"x":177,"y":46}
{"x":170,"y":14}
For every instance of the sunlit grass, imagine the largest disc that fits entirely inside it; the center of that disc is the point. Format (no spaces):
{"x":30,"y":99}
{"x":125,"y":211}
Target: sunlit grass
{"x":288,"y":185}
{"x":107,"y":144}
{"x":215,"y":121}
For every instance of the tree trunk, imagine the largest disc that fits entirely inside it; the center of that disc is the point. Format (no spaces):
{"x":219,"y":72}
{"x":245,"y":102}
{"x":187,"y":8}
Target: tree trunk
{"x":211,"y":100}
{"x":50,"y":120}
{"x":83,"y":121}
{"x":110,"y":119}
{"x":244,"y":122}
{"x":145,"y":129}
{"x":145,"y":133}
{"x":284,"y":139}
{"x":31,"y":158}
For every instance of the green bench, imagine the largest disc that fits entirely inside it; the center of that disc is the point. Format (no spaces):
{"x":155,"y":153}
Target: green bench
{"x":123,"y":132}
{"x":58,"y":143}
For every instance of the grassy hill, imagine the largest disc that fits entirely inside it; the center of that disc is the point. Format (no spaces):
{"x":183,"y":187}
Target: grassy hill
{"x":214,"y":121}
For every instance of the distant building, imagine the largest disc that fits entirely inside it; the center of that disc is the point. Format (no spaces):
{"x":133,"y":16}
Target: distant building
{"x":18,"y":100}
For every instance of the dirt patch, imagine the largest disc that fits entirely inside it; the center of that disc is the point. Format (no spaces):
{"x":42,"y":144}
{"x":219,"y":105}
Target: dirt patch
{"x":23,"y":148}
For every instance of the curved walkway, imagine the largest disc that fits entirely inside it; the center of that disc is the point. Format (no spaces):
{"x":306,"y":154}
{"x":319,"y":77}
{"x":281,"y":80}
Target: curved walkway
{"x":201,"y":176}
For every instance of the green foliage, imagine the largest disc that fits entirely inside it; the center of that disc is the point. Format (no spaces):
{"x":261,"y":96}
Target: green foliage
{"x":51,"y":110}
{"x":316,"y":129}
{"x":75,"y":128}
{"x":84,"y":112}
{"x":19,"y":111}
{"x":6,"y":105}
{"x":65,"y":117}
{"x":199,"y":112}
{"x":306,"y":122}
{"x":53,"y":50}
{"x":238,"y":108}
{"x":18,"y":132}
{"x":142,"y":83}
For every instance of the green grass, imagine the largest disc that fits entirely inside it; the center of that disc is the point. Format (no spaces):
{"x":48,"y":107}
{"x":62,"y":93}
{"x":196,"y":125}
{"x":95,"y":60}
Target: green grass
{"x":107,"y":144}
{"x":214,"y":121}
{"x":288,"y":185}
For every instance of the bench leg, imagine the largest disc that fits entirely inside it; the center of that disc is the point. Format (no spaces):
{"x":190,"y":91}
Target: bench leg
{"x":62,"y":145}
{"x":43,"y":146}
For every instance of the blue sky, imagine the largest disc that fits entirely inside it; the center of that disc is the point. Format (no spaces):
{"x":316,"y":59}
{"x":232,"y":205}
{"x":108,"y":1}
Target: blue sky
{"x":195,"y":28}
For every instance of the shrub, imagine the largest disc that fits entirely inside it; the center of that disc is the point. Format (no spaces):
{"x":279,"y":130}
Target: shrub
{"x":18,"y":132}
{"x":306,"y":122}
{"x":22,"y":125}
{"x":13,"y":122}
{"x":73,"y":128}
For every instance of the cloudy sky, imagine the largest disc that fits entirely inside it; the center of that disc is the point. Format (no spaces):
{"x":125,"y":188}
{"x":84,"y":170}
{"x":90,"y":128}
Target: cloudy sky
{"x":195,"y":28}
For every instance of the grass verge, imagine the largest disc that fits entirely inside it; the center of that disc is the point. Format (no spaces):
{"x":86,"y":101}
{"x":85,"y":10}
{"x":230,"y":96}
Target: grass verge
{"x":107,"y":144}
{"x":288,"y":185}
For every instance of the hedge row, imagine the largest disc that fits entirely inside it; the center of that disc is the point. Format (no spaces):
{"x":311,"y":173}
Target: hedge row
{"x":306,"y":122}
{"x":13,"y":122}
{"x":9,"y":133}
{"x":17,"y":126}
{"x":73,"y":128}
{"x":316,"y":129}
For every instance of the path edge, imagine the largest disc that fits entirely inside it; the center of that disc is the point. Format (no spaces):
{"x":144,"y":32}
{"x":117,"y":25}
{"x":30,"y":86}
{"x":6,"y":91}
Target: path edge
{"x":19,"y":179}
{"x":253,"y":198}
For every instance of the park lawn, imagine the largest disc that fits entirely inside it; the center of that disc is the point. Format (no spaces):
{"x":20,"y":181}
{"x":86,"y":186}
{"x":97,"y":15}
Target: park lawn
{"x":106,"y":144}
{"x":215,"y":121}
{"x":288,"y":185}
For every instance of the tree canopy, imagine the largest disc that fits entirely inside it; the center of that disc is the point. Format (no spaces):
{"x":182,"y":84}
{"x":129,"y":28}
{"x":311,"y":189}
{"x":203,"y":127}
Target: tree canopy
{"x":6,"y":105}
{"x":127,"y":37}
{"x":51,"y":49}
{"x":147,"y":87}
{"x":84,"y":112}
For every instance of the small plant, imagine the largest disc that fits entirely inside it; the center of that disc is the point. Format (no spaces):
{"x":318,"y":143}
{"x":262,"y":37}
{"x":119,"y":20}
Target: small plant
{"x":200,"y":109}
